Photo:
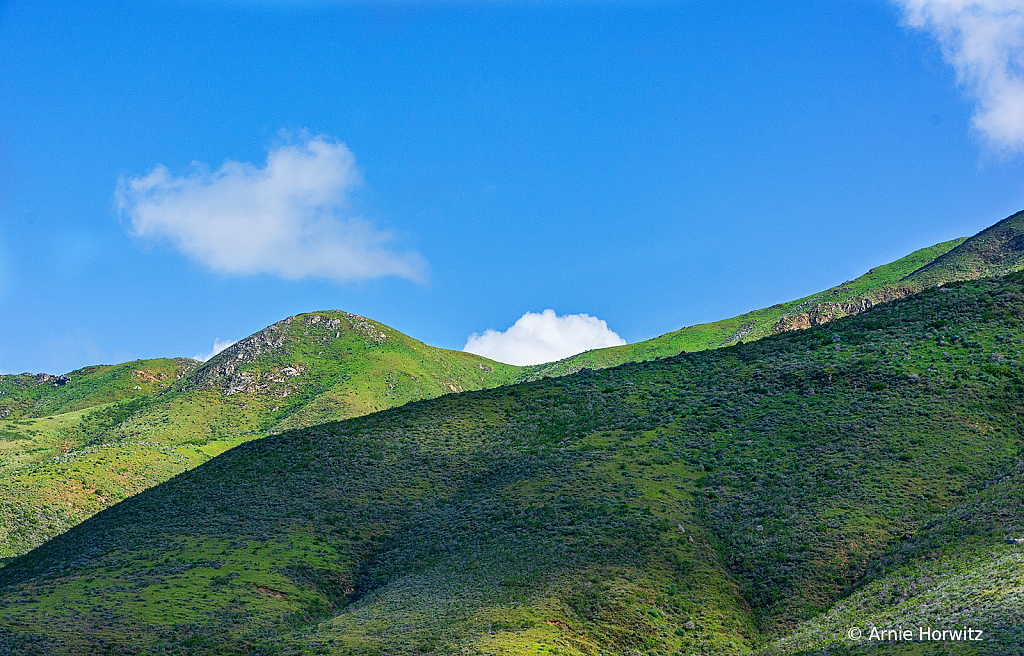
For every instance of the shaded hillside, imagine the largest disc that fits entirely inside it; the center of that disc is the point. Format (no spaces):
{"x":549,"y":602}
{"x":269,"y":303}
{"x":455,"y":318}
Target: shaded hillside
{"x":105,"y":433}
{"x":165,"y":416}
{"x":716,"y":503}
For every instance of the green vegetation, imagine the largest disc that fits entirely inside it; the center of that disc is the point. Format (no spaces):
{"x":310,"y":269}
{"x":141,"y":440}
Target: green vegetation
{"x":997,"y":250}
{"x":880,"y":285}
{"x":39,"y":395}
{"x":326,"y":366}
{"x":73,"y":445}
{"x":760,"y":498}
{"x":305,"y":370}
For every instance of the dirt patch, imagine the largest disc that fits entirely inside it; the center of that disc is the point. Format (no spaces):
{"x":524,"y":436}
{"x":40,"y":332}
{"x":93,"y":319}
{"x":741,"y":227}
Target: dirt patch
{"x":276,"y":594}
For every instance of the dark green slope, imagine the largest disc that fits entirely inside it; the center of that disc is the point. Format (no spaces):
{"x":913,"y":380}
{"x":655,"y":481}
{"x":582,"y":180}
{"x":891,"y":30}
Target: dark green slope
{"x":751,"y":498}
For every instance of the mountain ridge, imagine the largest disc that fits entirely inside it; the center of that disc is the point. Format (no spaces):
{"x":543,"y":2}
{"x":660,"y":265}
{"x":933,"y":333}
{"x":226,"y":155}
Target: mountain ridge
{"x":749,"y":499}
{"x":279,"y":378}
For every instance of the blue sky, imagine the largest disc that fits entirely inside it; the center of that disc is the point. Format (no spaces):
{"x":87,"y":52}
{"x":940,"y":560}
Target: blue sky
{"x":446,"y":168}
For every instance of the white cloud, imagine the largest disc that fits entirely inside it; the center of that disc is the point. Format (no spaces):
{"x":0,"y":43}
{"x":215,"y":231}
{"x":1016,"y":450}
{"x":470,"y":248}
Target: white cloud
{"x":218,"y":346}
{"x":984,"y":41}
{"x":290,"y":218}
{"x":544,"y":337}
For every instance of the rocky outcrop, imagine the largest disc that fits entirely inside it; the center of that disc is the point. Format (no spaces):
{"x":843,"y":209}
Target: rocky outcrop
{"x":362,"y":326}
{"x":744,"y":331}
{"x":269,"y":381}
{"x":243,"y":352}
{"x":817,"y":314}
{"x":148,"y":376}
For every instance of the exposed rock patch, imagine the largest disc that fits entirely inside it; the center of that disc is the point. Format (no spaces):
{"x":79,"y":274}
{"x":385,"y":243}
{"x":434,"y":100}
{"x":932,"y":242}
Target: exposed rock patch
{"x":362,"y":326}
{"x":818,"y":314}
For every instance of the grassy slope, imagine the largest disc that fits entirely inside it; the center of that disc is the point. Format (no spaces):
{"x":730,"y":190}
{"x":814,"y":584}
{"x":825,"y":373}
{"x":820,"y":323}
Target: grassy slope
{"x":25,"y":396}
{"x":309,"y":369}
{"x":750,"y":498}
{"x":996,"y":250}
{"x":110,"y":440}
{"x":846,"y":299}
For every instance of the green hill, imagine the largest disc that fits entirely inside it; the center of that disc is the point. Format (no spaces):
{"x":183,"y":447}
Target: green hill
{"x":73,"y":445}
{"x":997,"y":250}
{"x":750,"y":499}
{"x":306,"y":370}
{"x":113,"y":431}
{"x":24,"y":396}
{"x":879,"y":285}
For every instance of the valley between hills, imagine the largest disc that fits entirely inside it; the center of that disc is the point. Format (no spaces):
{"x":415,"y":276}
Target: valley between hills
{"x":328,"y":485}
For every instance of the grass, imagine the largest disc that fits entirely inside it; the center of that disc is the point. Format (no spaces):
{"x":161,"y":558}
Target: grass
{"x":881,"y":284}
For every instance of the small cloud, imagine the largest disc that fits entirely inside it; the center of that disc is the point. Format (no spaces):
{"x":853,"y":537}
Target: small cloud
{"x":544,"y":337}
{"x":290,"y":218}
{"x":218,"y":346}
{"x":984,"y":42}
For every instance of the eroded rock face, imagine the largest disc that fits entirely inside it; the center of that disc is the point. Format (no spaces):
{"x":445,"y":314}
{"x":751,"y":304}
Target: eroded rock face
{"x":253,"y":382}
{"x":243,"y":352}
{"x":818,"y":314}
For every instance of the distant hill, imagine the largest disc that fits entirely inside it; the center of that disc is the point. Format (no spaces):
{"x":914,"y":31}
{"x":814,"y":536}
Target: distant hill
{"x":75,"y":444}
{"x":42,"y":395}
{"x":997,"y":250}
{"x":879,"y":285}
{"x":760,"y":498}
{"x":305,"y":370}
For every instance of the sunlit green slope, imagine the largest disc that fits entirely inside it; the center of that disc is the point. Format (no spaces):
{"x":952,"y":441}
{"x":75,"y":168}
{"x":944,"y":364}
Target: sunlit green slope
{"x":879,"y":285}
{"x":745,"y":499}
{"x":998,"y":249}
{"x":25,"y":396}
{"x":305,"y":370}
